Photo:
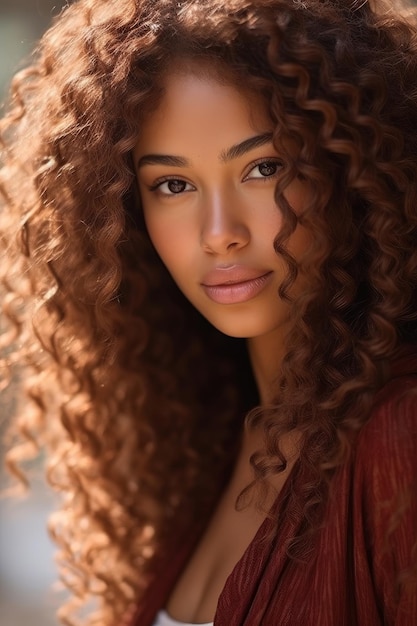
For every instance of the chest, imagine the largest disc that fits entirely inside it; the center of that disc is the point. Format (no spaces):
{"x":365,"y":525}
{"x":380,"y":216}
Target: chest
{"x":227,"y":536}
{"x":253,"y":583}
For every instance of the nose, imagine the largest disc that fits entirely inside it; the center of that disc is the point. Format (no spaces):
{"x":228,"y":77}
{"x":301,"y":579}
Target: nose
{"x":223,"y":227}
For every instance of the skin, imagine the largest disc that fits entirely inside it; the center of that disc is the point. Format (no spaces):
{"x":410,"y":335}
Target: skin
{"x":211,"y":209}
{"x":205,"y":212}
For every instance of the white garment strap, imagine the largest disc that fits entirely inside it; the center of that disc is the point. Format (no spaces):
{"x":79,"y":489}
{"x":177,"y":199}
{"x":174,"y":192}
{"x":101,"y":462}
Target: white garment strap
{"x":163,"y":619}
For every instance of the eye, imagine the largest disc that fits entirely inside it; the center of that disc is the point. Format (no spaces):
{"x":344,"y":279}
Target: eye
{"x":264,"y":169}
{"x":172,"y":186}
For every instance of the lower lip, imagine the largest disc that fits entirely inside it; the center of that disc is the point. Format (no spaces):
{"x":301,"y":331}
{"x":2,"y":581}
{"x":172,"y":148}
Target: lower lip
{"x":237,"y":292}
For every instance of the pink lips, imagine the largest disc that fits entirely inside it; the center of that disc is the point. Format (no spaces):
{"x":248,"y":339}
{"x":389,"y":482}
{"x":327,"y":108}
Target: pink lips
{"x":234,"y":284}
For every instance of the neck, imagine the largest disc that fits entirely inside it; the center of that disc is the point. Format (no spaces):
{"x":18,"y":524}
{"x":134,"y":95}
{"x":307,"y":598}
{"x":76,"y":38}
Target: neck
{"x":266,"y":354}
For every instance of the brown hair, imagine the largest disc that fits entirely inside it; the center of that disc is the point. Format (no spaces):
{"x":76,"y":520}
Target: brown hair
{"x":141,"y":423}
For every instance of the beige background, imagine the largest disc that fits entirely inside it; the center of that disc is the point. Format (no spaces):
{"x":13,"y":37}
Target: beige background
{"x":27,"y":569}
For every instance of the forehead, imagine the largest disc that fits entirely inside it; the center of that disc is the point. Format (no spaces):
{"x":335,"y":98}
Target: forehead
{"x":203,"y":105}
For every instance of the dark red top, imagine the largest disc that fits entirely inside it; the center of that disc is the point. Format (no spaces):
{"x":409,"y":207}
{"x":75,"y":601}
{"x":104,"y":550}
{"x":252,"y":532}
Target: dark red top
{"x":353,"y":574}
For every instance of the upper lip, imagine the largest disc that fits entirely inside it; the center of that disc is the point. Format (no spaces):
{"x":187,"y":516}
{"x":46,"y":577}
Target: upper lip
{"x":231,"y":275}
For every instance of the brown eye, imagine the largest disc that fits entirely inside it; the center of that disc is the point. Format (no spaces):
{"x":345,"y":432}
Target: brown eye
{"x":172,"y":187}
{"x":269,"y":168}
{"x":264,"y":169}
{"x":176,"y":186}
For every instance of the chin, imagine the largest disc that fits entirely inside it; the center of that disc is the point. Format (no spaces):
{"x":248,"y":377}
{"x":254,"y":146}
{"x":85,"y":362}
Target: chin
{"x":241,"y":331}
{"x":234,"y":333}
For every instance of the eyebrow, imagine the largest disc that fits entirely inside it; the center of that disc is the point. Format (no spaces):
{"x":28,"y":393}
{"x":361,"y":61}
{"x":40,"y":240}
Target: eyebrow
{"x":240,"y":149}
{"x":229,"y":154}
{"x":162,"y":159}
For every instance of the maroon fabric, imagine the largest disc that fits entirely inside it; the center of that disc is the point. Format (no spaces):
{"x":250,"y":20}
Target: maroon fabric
{"x":351,"y":577}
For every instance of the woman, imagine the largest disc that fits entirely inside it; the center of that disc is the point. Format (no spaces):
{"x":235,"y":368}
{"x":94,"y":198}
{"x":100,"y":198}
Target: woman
{"x":211,"y":277}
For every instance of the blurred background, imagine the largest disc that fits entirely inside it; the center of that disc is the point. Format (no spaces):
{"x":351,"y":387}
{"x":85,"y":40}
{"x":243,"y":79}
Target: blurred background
{"x":27,"y":570}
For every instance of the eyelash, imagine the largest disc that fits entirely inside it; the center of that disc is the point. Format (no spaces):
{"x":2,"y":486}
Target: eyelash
{"x":268,"y":162}
{"x":271,"y":161}
{"x":167,"y":179}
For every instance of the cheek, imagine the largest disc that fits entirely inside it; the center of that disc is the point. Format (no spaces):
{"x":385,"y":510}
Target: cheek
{"x":159,"y":237}
{"x":298,"y":195}
{"x":169,"y":241}
{"x":155,"y":223}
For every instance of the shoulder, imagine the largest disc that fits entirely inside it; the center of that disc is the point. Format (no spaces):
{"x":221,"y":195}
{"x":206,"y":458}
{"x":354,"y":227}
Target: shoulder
{"x":385,"y":495}
{"x":385,"y":460}
{"x":393,"y":418}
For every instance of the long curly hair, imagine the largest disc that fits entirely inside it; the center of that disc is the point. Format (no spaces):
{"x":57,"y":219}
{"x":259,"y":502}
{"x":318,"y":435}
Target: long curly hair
{"x":137,"y":400}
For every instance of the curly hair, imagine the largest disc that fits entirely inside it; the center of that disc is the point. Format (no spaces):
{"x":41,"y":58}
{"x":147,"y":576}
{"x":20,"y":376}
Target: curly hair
{"x":142,"y":423}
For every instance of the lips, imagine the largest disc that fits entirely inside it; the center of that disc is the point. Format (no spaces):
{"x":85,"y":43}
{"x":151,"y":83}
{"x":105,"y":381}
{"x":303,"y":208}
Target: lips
{"x":235,"y":284}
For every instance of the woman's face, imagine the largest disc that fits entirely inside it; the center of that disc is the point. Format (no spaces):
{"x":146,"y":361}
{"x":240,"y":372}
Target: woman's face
{"x":206,"y":169}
